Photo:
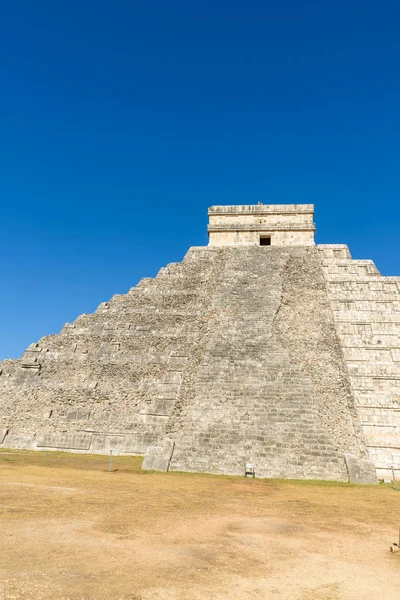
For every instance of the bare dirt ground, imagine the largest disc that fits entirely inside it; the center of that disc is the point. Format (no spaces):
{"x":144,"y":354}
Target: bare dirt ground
{"x":71,"y":530}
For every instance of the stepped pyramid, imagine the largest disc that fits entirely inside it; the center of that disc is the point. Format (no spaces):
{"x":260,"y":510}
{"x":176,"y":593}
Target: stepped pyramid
{"x":259,"y":348}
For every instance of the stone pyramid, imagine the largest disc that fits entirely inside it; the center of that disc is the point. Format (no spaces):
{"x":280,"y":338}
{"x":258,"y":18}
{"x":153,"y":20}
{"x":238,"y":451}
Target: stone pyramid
{"x":259,"y":348}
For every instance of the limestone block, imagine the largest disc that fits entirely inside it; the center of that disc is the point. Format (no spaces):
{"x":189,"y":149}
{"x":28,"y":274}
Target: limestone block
{"x":384,"y":458}
{"x":354,"y":329}
{"x":153,"y":420}
{"x":374,"y":369}
{"x":78,"y":414}
{"x":30,"y":359}
{"x":380,"y":416}
{"x":73,"y":441}
{"x":385,"y":328}
{"x":334,"y":250}
{"x":159,"y":388}
{"x":362,"y":383}
{"x":371,"y":355}
{"x":33,"y":348}
{"x":159,"y":406}
{"x":139,"y":443}
{"x":396,"y":355}
{"x":383,"y":437}
{"x":13,"y":440}
{"x":386,"y":341}
{"x":158,"y":458}
{"x":103,"y":443}
{"x":375,"y":399}
{"x":360,"y":470}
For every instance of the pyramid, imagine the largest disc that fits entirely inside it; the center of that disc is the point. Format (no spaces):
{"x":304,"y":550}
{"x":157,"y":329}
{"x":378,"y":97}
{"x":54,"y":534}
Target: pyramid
{"x":259,"y":348}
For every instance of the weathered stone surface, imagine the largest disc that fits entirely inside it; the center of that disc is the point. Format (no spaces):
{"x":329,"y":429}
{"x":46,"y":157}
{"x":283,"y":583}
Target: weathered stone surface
{"x":158,"y":458}
{"x":285,"y":356}
{"x":72,"y":441}
{"x":366,"y":310}
{"x":77,"y":415}
{"x":255,"y":393}
{"x":123,"y":443}
{"x":361,"y":470}
{"x":285,"y":224}
{"x":15,"y":440}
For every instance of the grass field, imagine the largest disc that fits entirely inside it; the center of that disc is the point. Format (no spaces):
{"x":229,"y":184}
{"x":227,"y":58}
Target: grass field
{"x":71,"y":530}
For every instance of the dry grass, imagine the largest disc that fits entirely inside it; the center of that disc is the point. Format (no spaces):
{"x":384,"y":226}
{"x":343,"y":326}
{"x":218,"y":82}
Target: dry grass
{"x":69,"y":529}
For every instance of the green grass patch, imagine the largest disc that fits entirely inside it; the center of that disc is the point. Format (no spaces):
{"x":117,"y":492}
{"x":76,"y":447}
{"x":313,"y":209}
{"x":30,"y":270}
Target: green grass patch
{"x":133,"y":464}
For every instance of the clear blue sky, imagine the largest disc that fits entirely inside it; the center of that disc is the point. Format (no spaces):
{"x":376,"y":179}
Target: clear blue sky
{"x":121,"y":122}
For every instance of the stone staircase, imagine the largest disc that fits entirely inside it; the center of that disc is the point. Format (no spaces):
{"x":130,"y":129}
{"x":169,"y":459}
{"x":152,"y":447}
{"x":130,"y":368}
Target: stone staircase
{"x":256,"y":396}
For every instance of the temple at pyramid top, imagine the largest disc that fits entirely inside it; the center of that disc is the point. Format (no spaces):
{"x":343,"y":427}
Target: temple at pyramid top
{"x":262,"y":225}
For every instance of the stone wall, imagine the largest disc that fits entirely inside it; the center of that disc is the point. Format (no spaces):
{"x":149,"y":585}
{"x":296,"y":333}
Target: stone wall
{"x":286,"y":224}
{"x":223,"y":236}
{"x":366,"y":307}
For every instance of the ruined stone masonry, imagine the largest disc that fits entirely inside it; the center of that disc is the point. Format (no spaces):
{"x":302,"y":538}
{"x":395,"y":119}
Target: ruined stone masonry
{"x":260,"y":347}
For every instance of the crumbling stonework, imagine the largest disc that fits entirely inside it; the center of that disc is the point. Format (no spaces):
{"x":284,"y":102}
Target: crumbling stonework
{"x":305,"y":326}
{"x":114,"y":376}
{"x":234,"y":355}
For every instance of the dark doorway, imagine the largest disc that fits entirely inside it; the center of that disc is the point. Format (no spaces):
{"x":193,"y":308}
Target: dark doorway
{"x":265,"y":240}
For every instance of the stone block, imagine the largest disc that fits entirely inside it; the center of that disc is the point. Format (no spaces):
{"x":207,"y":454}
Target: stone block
{"x":159,"y":406}
{"x":65,"y":441}
{"x":152,"y":420}
{"x":30,"y":359}
{"x":138,"y":444}
{"x":158,"y":458}
{"x":13,"y":440}
{"x":360,"y":470}
{"x":79,"y":414}
{"x":123,"y":443}
{"x":103,"y":443}
{"x":33,"y":348}
{"x":396,"y":354}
